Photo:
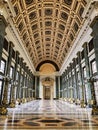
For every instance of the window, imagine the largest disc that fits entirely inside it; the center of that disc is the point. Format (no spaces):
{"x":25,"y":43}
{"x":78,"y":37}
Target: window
{"x":5,"y":45}
{"x":91,"y":45}
{"x":17,"y":75}
{"x":2,"y":68}
{"x":9,"y":93}
{"x":13,"y":54}
{"x":82,"y":54}
{"x":93,"y":67}
{"x":11,"y":72}
{"x":78,"y":76}
{"x":84,"y":72}
{"x":96,"y":90}
{"x":0,"y":88}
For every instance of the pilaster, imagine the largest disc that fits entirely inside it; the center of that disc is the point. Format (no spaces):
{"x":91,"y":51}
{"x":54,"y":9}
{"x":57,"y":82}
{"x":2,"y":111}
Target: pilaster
{"x":3,"y":25}
{"x":94,"y":26}
{"x":82,"y":88}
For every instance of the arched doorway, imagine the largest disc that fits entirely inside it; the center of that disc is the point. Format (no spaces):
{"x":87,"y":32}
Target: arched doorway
{"x":48,"y":84}
{"x":46,"y":92}
{"x":47,"y":81}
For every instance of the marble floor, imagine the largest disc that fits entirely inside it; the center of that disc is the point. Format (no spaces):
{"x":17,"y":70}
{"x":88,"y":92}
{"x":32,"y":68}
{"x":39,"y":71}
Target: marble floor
{"x":50,"y":115}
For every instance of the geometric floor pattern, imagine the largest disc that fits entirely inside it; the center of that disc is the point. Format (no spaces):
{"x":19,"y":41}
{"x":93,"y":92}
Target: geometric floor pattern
{"x":48,"y":114}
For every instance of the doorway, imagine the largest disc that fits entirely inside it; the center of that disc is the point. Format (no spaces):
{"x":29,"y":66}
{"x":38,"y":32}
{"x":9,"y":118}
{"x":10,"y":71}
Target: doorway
{"x":47,"y":92}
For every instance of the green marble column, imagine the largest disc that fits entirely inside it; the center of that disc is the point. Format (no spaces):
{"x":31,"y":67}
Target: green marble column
{"x":94,"y":27}
{"x":71,"y":84}
{"x":75,"y":82}
{"x":23,"y":84}
{"x":14,"y":84}
{"x":37,"y":80}
{"x":62,"y":95}
{"x":87,"y":73}
{"x":7,"y":80}
{"x":32,"y":83}
{"x":19,"y":80}
{"x":3,"y":25}
{"x":34,"y":86}
{"x":81,"y":80}
{"x":26,"y":84}
{"x":57,"y":87}
{"x":66,"y":85}
{"x":68,"y":89}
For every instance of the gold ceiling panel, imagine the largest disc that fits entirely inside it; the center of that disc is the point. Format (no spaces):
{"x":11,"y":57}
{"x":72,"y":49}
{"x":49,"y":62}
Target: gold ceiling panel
{"x":48,"y":28}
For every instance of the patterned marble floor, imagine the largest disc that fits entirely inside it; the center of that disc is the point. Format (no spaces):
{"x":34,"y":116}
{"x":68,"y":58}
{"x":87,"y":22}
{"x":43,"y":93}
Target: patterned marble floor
{"x":48,"y":114}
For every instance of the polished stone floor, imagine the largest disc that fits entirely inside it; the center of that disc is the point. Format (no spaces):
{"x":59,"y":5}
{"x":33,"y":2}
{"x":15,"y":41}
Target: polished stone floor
{"x":48,"y":114}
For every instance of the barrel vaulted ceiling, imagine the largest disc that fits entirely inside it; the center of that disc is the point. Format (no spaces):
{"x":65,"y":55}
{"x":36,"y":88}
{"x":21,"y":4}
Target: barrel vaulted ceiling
{"x":48,"y":28}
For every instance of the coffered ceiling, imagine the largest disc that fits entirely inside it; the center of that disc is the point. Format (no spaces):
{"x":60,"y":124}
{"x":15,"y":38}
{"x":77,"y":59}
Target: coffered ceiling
{"x":48,"y":28}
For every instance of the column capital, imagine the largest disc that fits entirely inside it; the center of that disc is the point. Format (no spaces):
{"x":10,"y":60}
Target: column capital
{"x":3,"y":25}
{"x":84,"y":45}
{"x":94,"y":26}
{"x":78,"y":53}
{"x":11,"y":44}
{"x":17,"y":53}
{"x":74,"y":59}
{"x":21,"y":59}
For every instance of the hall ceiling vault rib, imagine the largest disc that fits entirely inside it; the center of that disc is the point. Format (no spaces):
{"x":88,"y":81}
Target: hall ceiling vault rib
{"x":48,"y":28}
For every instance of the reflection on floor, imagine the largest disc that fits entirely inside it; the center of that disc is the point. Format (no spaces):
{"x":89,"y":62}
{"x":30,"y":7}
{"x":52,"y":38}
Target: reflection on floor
{"x":48,"y":114}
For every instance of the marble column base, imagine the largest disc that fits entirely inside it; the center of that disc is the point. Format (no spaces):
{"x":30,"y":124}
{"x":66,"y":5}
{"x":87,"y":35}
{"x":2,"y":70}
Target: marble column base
{"x":3,"y":110}
{"x":83,"y":105}
{"x":94,"y":110}
{"x":12,"y":104}
{"x":77,"y":102}
{"x":24,"y":100}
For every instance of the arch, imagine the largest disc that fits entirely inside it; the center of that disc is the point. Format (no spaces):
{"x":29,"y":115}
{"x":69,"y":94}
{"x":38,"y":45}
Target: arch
{"x":47,"y":61}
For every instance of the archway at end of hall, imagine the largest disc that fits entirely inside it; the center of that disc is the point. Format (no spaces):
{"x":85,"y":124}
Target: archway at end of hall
{"x":48,"y":88}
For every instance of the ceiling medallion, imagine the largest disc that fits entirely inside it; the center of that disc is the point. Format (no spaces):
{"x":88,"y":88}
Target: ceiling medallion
{"x":32,"y":15}
{"x":48,"y":11}
{"x":81,"y":11}
{"x":48,"y":39}
{"x":64,"y":15}
{"x":20,"y":27}
{"x":68,"y":2}
{"x":76,"y":27}
{"x":47,"y":32}
{"x":34,"y":27}
{"x":28,"y":1}
{"x":16,"y":10}
{"x":62,"y":27}
{"x":60,"y":36}
{"x":37,"y":42}
{"x":36,"y":35}
{"x":48,"y":23}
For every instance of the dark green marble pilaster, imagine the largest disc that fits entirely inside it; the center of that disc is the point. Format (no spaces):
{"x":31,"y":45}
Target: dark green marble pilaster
{"x":57,"y":87}
{"x":37,"y":80}
{"x":23,"y":84}
{"x":7,"y":80}
{"x":88,"y":75}
{"x":3,"y":25}
{"x":26,"y":83}
{"x":7,"y":74}
{"x":14,"y":84}
{"x":66,"y":84}
{"x":19,"y":79}
{"x":94,"y":27}
{"x":62,"y":87}
{"x":34,"y":86}
{"x":72,"y":84}
{"x":76,"y":85}
{"x":81,"y":80}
